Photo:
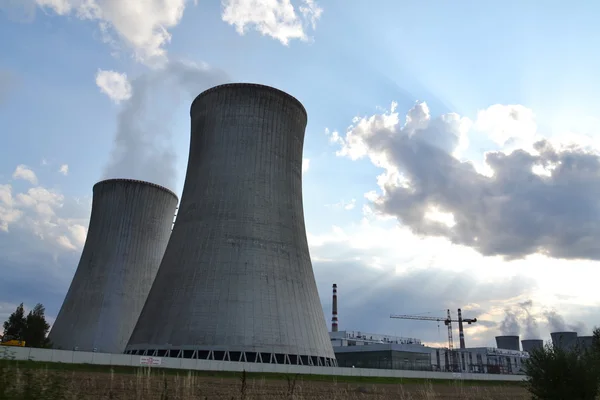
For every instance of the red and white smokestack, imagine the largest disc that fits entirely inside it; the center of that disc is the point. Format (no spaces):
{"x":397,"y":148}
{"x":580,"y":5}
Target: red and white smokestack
{"x":334,"y":317}
{"x":461,"y":332}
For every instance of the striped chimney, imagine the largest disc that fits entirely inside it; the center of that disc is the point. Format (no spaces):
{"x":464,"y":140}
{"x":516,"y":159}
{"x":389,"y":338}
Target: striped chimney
{"x":334,"y":311}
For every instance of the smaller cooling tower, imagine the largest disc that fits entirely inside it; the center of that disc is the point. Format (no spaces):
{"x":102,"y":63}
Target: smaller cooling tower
{"x":531,"y":344}
{"x":508,"y":342}
{"x":129,"y":228}
{"x":585,"y":342}
{"x":564,"y":340}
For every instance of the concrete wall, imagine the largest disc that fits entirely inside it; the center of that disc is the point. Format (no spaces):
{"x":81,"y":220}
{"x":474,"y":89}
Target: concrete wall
{"x":77,"y":357}
{"x":237,"y":274}
{"x":128,"y":232}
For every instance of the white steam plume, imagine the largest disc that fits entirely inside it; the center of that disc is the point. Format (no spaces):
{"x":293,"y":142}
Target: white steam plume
{"x":143,"y":147}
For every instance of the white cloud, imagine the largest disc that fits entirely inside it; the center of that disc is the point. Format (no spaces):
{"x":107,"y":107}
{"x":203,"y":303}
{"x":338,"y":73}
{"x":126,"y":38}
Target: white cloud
{"x":40,"y":211}
{"x":142,"y":26}
{"x":305,"y":165}
{"x":25,"y":173}
{"x":275,"y":18}
{"x":345,"y":205}
{"x":507,"y":125}
{"x":8,"y":214}
{"x":64,"y":169}
{"x":114,"y":84}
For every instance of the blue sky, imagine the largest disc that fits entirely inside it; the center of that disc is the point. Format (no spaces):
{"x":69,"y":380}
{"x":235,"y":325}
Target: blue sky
{"x":458,"y":57}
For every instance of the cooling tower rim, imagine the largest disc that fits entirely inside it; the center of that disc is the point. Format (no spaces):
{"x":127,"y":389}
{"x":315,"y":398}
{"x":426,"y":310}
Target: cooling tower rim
{"x":563,"y":332}
{"x":146,"y":183}
{"x":271,"y":89}
{"x":508,"y":336}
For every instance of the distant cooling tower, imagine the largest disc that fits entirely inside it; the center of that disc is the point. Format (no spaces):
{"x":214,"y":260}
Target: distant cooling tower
{"x":508,"y":342}
{"x":565,"y":340}
{"x":236,"y":282}
{"x":585,"y":342}
{"x":128,"y":233}
{"x":531,"y":344}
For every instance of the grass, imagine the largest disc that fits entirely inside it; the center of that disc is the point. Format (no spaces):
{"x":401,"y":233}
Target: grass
{"x":20,"y":380}
{"x":93,"y":368}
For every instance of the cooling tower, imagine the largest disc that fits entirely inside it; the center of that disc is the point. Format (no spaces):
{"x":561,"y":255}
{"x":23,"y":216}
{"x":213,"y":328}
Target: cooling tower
{"x":565,"y":340}
{"x":530,"y":344}
{"x":128,"y":233}
{"x":585,"y":342}
{"x":508,"y":342}
{"x":236,"y":282}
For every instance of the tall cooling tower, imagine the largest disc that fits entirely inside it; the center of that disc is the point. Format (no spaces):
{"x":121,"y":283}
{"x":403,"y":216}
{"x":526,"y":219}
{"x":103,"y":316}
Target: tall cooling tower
{"x":236,"y":282}
{"x":585,"y":342}
{"x":531,"y":344}
{"x":565,"y":340}
{"x":128,"y":233}
{"x":508,"y":342}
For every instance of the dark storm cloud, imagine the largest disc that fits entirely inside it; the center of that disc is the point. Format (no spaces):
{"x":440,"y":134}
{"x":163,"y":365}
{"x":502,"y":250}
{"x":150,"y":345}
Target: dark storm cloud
{"x":143,"y":147}
{"x":367,"y":297}
{"x":512,"y":214}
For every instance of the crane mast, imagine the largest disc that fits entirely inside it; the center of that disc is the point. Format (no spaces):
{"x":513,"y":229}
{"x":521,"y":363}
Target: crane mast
{"x":450,"y":340}
{"x":448,"y":322}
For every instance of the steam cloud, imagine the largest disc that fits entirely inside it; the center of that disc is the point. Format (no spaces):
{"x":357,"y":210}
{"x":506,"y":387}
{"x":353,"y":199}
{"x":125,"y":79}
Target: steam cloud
{"x":530,"y":323}
{"x":521,"y":319}
{"x":143,"y":147}
{"x":510,"y":323}
{"x":556,"y":323}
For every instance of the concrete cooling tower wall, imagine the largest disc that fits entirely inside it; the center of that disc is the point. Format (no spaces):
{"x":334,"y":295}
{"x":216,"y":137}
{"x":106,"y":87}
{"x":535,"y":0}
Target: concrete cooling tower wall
{"x":585,"y":342}
{"x":236,"y":282}
{"x":508,"y":342}
{"x":564,"y":340}
{"x":128,"y":233}
{"x":531,"y":344}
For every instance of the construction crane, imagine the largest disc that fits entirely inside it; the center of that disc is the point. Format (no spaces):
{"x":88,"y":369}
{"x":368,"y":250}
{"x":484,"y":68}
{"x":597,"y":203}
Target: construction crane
{"x":448,"y":322}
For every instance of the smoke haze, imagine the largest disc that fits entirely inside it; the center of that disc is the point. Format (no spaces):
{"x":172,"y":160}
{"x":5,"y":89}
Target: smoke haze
{"x":143,"y":145}
{"x":530,"y":323}
{"x":510,"y":323}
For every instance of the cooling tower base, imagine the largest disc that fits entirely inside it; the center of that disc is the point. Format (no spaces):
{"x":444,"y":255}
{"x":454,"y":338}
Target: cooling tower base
{"x":263,"y":357}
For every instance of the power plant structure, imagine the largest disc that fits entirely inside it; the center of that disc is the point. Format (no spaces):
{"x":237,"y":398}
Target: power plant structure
{"x":529,"y":345}
{"x":129,"y":229}
{"x":564,"y":340}
{"x":585,"y":342}
{"x":508,"y":342}
{"x":236,"y":282}
{"x":334,"y":310}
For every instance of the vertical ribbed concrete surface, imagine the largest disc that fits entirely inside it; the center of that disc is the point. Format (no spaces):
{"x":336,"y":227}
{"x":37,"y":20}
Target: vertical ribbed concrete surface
{"x":508,"y":342}
{"x":236,"y":281}
{"x":564,"y":340}
{"x":532,"y":344}
{"x":128,"y":233}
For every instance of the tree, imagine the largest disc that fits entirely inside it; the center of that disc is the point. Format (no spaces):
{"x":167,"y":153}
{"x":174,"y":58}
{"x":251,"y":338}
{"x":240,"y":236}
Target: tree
{"x":14,"y":327}
{"x":33,"y":328}
{"x":555,"y":373}
{"x":36,"y":328}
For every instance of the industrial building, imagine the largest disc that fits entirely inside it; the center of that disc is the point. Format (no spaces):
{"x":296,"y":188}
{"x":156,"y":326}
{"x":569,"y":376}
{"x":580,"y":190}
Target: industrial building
{"x":370,"y":350}
{"x":236,"y":281}
{"x":129,"y":228}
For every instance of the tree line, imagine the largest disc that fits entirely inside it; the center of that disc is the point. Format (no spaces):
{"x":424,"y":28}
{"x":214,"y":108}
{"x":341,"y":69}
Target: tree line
{"x":557,"y":373}
{"x":31,"y":328}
